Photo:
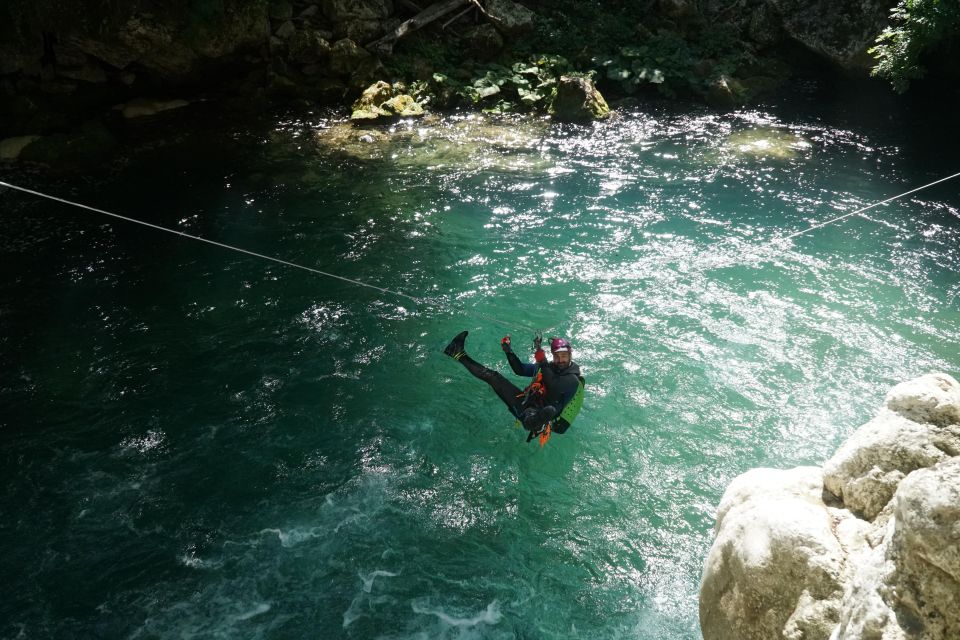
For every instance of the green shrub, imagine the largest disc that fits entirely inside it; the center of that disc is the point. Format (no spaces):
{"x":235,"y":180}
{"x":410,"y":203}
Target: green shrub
{"x":669,"y":63}
{"x":523,"y":86}
{"x":918,"y":26}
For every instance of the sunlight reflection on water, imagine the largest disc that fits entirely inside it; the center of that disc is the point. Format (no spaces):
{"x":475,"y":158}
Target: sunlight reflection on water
{"x":308,"y":463}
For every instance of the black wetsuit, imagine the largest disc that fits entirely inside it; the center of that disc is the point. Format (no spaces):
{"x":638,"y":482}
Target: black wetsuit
{"x":561,"y":384}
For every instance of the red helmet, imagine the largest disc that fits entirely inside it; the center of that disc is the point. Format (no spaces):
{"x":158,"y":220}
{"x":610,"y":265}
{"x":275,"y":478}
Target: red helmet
{"x":559,"y":344}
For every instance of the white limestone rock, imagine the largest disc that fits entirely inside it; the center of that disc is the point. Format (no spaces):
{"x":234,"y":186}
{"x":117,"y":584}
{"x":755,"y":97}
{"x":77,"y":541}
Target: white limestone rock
{"x":775,"y":567}
{"x":925,"y":547}
{"x":867,"y":468}
{"x":907,"y":586}
{"x":786,"y":564}
{"x":933,"y":398}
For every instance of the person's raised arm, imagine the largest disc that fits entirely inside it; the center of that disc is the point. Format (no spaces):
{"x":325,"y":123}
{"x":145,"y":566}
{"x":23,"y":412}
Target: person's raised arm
{"x":519,"y":367}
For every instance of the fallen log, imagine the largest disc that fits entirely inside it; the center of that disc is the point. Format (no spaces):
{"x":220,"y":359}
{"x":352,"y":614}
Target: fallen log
{"x":434,"y":12}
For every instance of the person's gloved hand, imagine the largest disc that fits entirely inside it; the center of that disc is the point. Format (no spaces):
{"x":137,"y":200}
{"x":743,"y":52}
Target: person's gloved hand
{"x":505,"y":344}
{"x":538,"y":353}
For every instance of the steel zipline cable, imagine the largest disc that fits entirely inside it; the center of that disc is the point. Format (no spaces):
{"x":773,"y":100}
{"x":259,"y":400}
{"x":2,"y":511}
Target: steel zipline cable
{"x":213,"y":242}
{"x":359,"y":283}
{"x":862,"y":209}
{"x":400,"y":294}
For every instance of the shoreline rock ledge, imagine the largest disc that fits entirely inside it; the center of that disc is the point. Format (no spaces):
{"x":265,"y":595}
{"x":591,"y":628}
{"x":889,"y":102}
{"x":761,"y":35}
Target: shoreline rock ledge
{"x":866,"y":547}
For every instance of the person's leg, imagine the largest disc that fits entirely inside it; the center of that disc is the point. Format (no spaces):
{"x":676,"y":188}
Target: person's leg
{"x":505,"y":390}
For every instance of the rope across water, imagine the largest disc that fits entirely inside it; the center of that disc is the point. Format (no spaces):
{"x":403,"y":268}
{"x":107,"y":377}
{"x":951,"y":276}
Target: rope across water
{"x":359,"y":283}
{"x":400,"y":294}
{"x":862,"y":209}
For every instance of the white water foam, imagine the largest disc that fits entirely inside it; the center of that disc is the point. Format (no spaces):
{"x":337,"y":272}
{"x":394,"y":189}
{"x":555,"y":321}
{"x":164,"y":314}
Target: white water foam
{"x":292,"y":537}
{"x":491,"y":615}
{"x":373,"y":575}
{"x":255,"y":611}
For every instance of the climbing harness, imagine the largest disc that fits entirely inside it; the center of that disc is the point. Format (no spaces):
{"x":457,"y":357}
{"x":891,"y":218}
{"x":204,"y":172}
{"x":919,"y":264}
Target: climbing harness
{"x":543,"y":433}
{"x":535,"y":391}
{"x":534,"y":395}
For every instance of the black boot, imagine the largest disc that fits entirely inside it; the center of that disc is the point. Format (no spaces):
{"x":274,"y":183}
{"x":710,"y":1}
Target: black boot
{"x":456,"y":347}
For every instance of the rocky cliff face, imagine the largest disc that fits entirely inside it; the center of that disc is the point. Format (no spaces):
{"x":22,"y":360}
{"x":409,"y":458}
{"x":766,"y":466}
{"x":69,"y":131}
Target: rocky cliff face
{"x":840,"y":32}
{"x":866,"y":547}
{"x":69,"y":67}
{"x":67,"y":70}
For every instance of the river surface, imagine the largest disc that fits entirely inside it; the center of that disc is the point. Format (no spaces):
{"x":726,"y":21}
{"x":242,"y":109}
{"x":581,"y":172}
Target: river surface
{"x":196,"y":443}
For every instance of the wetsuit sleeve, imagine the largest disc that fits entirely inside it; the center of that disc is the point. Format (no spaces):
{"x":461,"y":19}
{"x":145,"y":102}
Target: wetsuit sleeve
{"x":521,"y":368}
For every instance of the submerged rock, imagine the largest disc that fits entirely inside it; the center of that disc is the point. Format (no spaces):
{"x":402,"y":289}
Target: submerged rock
{"x":92,"y":145}
{"x":764,"y":142}
{"x":142,"y":107}
{"x":10,"y":148}
{"x":790,"y":562}
{"x":462,"y":145}
{"x":577,"y":100}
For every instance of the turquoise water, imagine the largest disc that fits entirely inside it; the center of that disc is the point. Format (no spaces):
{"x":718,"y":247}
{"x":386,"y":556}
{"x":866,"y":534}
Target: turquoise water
{"x":199,"y":444}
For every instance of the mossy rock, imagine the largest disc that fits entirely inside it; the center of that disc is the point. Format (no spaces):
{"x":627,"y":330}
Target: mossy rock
{"x":93,"y":145}
{"x":377,"y":93}
{"x":379,"y":102}
{"x":727,"y":93}
{"x":11,"y":148}
{"x":403,"y":106}
{"x":578,"y":100}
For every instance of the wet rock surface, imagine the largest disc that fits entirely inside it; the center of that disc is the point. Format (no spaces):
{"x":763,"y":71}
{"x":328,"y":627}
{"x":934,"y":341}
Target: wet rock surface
{"x":578,"y":100}
{"x":876,"y":559}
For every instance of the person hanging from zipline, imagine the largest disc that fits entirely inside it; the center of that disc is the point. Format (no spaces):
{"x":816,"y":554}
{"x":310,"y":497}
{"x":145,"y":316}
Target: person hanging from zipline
{"x":551,"y":402}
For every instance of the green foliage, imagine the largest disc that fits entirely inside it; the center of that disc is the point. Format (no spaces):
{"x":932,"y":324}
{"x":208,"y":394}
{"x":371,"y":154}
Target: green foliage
{"x":672,"y":64}
{"x":573,"y":26}
{"x":918,"y":26}
{"x":424,"y":49}
{"x":523,"y":86}
{"x":23,"y":18}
